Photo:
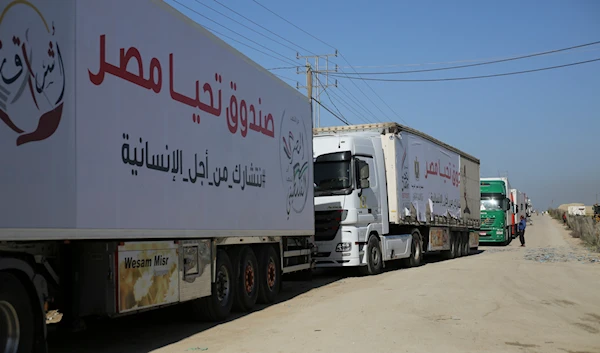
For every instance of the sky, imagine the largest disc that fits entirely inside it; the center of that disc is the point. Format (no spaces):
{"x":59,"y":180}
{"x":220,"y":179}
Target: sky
{"x":541,"y":129}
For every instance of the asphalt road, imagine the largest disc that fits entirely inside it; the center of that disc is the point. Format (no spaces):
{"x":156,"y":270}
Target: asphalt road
{"x":541,"y":298}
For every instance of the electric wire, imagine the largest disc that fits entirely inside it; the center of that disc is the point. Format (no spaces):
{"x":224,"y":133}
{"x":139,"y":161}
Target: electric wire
{"x":453,"y":62}
{"x":286,"y":60}
{"x":266,"y":29}
{"x":329,"y":110}
{"x":342,"y":56}
{"x":475,"y":77}
{"x":479,"y":64}
{"x":248,"y":27}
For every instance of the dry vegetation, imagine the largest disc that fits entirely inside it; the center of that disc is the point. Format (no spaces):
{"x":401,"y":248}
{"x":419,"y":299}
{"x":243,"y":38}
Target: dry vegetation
{"x":582,"y":227}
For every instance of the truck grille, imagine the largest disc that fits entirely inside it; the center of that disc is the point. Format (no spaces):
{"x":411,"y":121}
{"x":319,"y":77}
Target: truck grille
{"x":327,"y":224}
{"x":488,"y":222}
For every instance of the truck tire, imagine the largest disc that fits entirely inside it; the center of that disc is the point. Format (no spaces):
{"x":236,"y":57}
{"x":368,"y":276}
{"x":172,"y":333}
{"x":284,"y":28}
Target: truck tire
{"x":416,"y":251}
{"x":16,"y":316}
{"x":467,"y":248}
{"x":374,"y":257}
{"x":459,"y":244}
{"x":218,"y":305}
{"x":269,"y":277}
{"x":453,"y":252}
{"x":246,"y":279}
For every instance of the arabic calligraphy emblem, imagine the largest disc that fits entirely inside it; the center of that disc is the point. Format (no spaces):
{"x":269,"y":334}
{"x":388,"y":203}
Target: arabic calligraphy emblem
{"x":294,"y":159}
{"x":32,"y":73}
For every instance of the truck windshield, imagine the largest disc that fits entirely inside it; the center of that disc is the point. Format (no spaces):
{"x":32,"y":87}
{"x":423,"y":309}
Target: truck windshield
{"x":491,"y":202}
{"x":332,"y":177}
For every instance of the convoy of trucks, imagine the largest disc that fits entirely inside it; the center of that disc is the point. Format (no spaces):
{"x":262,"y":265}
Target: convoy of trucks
{"x":387,"y":192}
{"x":249,"y":192}
{"x":144,"y":166}
{"x":501,"y":210}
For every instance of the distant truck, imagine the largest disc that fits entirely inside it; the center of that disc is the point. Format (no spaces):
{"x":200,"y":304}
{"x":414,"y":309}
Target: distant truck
{"x":576,"y":210}
{"x":519,"y":204}
{"x":387,"y":192}
{"x":497,"y":217}
{"x":145,"y":163}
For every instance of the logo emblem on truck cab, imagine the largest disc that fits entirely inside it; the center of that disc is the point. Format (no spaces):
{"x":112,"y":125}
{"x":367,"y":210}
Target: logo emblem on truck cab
{"x":294,"y":157}
{"x":32,"y":73}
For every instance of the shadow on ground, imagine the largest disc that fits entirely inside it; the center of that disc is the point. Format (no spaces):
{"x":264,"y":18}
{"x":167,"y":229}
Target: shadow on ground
{"x":155,"y":329}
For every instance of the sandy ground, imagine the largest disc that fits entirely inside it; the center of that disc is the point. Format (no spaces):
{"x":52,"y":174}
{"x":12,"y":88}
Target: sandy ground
{"x":500,"y":299}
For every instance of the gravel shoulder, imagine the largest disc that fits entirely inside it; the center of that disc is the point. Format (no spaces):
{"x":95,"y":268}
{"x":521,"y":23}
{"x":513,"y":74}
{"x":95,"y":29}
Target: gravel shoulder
{"x":503,"y":299}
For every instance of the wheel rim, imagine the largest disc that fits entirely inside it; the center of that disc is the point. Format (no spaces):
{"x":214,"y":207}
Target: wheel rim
{"x":417,"y":250}
{"x":223,"y":284}
{"x":249,"y":277}
{"x":10,"y":333}
{"x":375,"y":256}
{"x":271,"y":274}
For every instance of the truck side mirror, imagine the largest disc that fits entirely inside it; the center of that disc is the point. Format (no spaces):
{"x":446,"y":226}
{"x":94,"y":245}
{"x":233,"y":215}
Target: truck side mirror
{"x":506,"y":204}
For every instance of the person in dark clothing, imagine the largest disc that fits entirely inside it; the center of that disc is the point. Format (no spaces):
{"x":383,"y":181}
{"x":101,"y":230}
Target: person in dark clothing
{"x":522,"y":225}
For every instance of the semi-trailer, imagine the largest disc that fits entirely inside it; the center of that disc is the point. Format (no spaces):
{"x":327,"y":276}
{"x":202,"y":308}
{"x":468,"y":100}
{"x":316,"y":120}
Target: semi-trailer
{"x":388,"y":192}
{"x":145,"y":163}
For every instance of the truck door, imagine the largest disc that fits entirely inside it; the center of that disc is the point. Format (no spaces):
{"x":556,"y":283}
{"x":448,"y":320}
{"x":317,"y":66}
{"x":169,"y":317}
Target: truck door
{"x":369,"y":210}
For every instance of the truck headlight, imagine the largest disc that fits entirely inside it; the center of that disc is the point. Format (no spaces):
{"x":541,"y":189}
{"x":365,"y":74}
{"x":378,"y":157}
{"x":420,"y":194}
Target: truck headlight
{"x":343,"y":247}
{"x":499,"y":232}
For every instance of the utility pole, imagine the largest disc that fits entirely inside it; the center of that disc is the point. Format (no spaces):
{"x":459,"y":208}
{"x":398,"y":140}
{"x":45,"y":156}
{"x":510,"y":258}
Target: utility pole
{"x":318,"y":85}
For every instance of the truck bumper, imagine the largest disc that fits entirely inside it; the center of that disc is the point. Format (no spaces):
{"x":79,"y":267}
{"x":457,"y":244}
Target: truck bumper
{"x":491,"y":236}
{"x":342,"y":251}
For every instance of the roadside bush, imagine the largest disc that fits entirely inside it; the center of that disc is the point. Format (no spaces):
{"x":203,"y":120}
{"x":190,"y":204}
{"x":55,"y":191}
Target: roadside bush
{"x":582,"y":227}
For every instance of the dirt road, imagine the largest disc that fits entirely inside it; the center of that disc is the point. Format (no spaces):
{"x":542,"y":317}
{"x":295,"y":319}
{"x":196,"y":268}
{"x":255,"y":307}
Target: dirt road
{"x":541,"y":298}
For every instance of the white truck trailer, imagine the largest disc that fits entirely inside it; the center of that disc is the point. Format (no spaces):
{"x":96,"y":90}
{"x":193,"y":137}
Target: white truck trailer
{"x":576,"y":210}
{"x":145,"y":163}
{"x":385,"y":192}
{"x":519,"y":208}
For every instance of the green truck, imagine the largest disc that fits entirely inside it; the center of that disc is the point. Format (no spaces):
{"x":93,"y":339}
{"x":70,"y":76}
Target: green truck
{"x":497,"y":221}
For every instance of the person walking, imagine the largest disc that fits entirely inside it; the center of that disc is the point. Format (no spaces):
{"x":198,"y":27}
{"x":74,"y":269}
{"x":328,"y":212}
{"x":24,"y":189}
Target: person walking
{"x":522,"y":225}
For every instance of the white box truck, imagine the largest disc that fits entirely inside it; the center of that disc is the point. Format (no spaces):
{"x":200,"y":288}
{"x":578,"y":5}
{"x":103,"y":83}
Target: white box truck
{"x":576,"y":210}
{"x":519,"y":208}
{"x":386,"y":192}
{"x":145,"y":163}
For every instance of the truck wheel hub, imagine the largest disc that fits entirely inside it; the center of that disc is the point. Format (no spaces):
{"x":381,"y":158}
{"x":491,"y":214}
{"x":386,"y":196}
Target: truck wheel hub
{"x":9,"y":328}
{"x":271,"y":274}
{"x":223,"y":284}
{"x":249,"y":278}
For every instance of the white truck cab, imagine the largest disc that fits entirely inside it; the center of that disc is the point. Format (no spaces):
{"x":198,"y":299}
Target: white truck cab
{"x":349,"y":190}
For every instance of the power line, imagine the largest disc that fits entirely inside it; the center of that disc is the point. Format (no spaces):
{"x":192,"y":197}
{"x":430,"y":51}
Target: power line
{"x":446,"y":62}
{"x":248,"y":27}
{"x":328,"y":96}
{"x":356,"y":100}
{"x":281,"y":17}
{"x":329,"y":110}
{"x":342,"y":56}
{"x":271,"y":50}
{"x":283,"y":68}
{"x":480,"y":64}
{"x":266,"y":29}
{"x":475,"y":77}
{"x":350,"y":107}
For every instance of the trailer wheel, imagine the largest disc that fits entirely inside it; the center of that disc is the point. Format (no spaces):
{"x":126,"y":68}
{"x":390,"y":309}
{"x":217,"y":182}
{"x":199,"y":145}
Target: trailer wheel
{"x":460,"y":244}
{"x":467,"y":246}
{"x":16,"y":316}
{"x":247,"y":279}
{"x":416,"y":251}
{"x":452,"y":253}
{"x":269,"y":275}
{"x":218,"y":305}
{"x":374,"y":258}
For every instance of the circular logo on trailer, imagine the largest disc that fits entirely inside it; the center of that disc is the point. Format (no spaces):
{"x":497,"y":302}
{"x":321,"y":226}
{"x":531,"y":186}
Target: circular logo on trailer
{"x":294,"y":159}
{"x":32,"y":73}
